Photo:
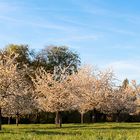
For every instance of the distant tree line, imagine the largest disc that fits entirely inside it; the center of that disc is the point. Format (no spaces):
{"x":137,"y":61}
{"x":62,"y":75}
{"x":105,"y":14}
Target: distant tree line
{"x":51,"y":86}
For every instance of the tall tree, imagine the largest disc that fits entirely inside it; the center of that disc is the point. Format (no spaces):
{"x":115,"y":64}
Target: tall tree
{"x":59,"y":61}
{"x":88,"y":86}
{"x":10,"y":80}
{"x":52,"y":95}
{"x":119,"y":100}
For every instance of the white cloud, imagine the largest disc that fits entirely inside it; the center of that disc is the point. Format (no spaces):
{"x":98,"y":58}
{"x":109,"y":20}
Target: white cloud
{"x":126,"y":69}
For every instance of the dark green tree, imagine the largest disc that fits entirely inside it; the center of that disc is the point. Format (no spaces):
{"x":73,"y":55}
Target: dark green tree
{"x":22,"y":51}
{"x":58,"y":60}
{"x":125,"y":83}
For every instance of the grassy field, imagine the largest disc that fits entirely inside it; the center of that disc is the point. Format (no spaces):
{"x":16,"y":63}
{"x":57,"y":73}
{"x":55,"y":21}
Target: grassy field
{"x":98,"y":131}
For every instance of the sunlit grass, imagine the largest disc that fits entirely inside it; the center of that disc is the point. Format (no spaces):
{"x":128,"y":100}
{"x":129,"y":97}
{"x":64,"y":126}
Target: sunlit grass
{"x":97,"y":131}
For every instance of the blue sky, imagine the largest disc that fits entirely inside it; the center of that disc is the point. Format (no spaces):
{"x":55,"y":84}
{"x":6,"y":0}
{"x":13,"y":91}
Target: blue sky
{"x":105,"y":33}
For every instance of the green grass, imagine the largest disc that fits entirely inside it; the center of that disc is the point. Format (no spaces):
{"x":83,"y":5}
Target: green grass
{"x":97,"y":131}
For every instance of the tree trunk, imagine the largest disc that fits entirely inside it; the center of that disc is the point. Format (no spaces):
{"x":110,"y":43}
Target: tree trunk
{"x":117,"y":117}
{"x":0,"y":120}
{"x":58,"y":119}
{"x":17,"y":119}
{"x":82,"y":118}
{"x":37,"y":118}
{"x":93,"y":115}
{"x":9,"y":120}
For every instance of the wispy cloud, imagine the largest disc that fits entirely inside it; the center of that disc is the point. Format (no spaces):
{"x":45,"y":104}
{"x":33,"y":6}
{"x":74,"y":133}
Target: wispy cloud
{"x":121,"y":31}
{"x":9,"y":13}
{"x":6,"y":7}
{"x":73,"y":38}
{"x":46,"y":24}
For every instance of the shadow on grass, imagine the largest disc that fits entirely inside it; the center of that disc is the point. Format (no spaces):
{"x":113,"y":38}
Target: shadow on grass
{"x":41,"y":132}
{"x":9,"y":132}
{"x":76,"y":126}
{"x":119,"y":127}
{"x":53,"y":133}
{"x":53,"y":127}
{"x":52,"y":130}
{"x":113,"y":128}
